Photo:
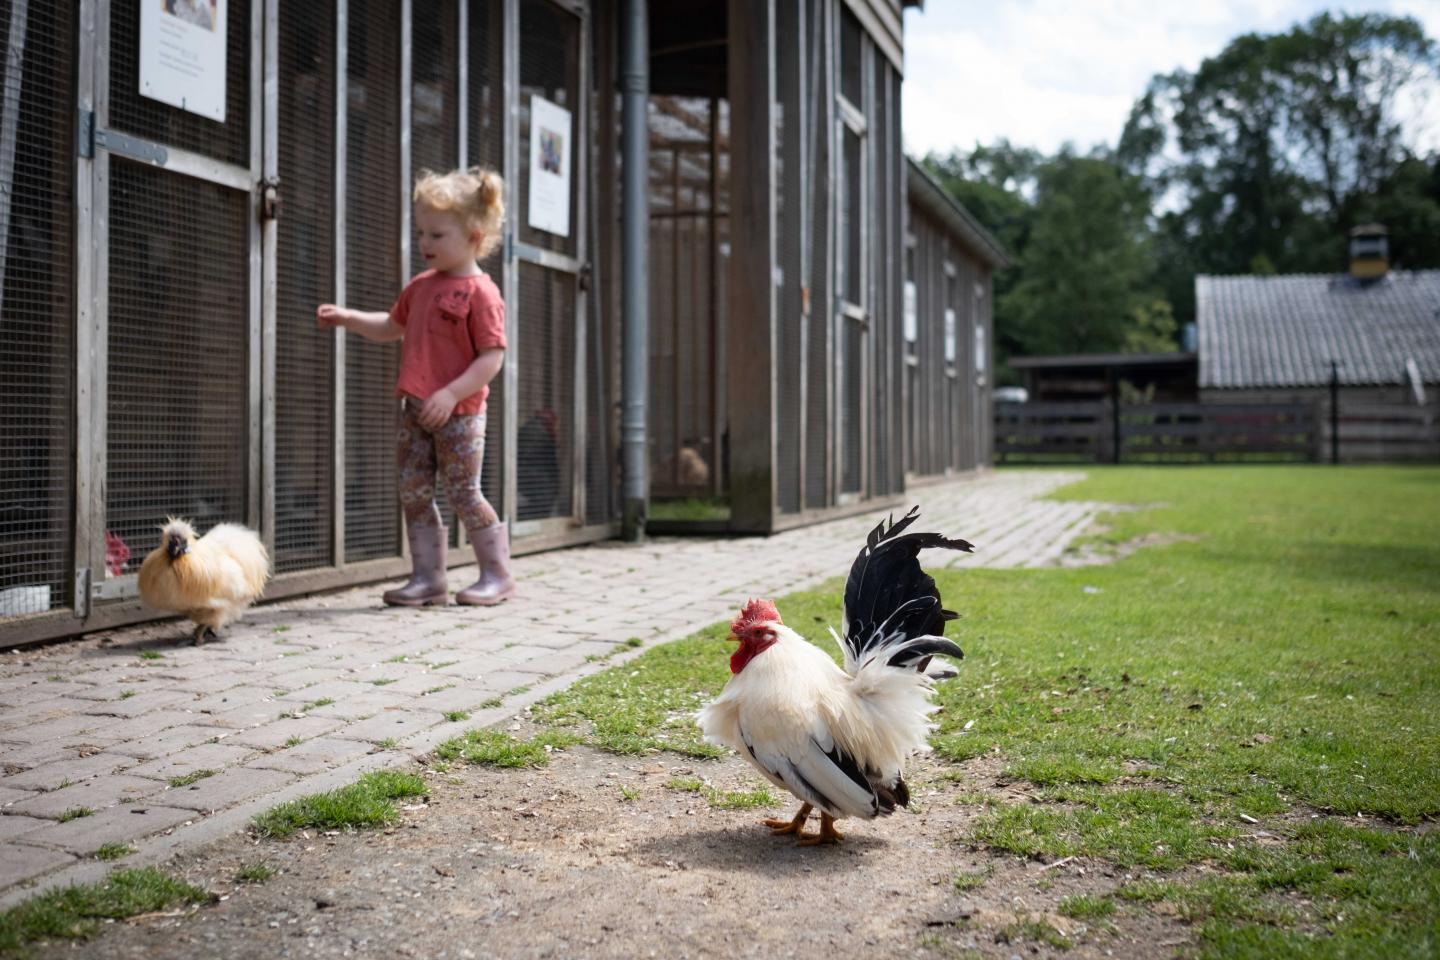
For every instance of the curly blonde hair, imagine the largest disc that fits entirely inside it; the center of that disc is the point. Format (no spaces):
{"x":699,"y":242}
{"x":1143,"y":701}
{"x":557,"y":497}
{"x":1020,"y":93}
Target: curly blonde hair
{"x":476,"y":196}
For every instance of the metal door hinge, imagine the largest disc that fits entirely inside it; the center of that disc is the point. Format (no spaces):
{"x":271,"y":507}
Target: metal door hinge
{"x":90,"y":137}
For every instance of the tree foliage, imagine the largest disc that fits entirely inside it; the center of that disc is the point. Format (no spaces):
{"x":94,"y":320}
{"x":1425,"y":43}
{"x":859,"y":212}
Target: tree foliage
{"x":1260,"y":161}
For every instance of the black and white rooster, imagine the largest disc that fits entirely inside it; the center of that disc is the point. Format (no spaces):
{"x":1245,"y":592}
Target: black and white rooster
{"x":838,"y":739}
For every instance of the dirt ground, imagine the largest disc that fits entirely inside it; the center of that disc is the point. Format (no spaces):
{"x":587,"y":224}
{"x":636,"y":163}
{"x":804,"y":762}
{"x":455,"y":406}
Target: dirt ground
{"x":557,"y":862}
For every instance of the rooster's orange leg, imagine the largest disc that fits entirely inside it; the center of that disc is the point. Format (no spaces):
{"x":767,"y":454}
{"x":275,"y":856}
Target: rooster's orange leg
{"x":827,"y":834}
{"x":795,"y":825}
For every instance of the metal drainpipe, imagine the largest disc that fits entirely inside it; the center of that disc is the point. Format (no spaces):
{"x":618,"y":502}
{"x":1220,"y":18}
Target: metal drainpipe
{"x":635,"y":293}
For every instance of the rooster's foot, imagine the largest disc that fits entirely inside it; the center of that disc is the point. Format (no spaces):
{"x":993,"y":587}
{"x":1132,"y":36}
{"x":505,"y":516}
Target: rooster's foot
{"x":795,"y":825}
{"x":201,"y":632}
{"x":828,"y":833}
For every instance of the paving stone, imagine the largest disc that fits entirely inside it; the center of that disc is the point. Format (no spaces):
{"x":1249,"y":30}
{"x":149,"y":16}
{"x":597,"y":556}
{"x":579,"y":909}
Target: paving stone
{"x":49,"y":776}
{"x":141,"y":703}
{"x":9,"y":794}
{"x":275,"y":734}
{"x":392,"y":723}
{"x":226,"y":789}
{"x":207,"y":756}
{"x":72,"y":725}
{"x":245,"y":695}
{"x":97,"y":793}
{"x":359,"y":706}
{"x":312,"y":756}
{"x":23,"y":862}
{"x":169,"y":741}
{"x":15,"y":825}
{"x":125,"y":823}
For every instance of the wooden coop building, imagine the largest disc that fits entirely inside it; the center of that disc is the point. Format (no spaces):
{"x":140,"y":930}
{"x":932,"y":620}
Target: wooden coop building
{"x":947,"y":332}
{"x":163,"y":247}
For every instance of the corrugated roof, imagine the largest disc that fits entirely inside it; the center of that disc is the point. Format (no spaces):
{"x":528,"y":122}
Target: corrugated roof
{"x":1284,"y":331}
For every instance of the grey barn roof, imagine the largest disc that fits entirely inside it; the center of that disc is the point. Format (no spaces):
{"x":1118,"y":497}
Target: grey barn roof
{"x":1284,"y":331}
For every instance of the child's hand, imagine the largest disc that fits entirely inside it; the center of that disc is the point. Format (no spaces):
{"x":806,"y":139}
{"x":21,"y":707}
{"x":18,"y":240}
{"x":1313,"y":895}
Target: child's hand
{"x":437,"y":409}
{"x":328,"y":316}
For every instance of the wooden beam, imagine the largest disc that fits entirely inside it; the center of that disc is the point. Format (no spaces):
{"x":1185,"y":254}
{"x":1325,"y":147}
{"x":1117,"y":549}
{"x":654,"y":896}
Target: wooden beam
{"x":751,"y":315}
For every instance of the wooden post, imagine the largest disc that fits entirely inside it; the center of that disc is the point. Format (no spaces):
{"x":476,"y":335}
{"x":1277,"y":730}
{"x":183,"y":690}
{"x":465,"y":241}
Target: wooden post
{"x":1114,"y":417}
{"x":751,"y":315}
{"x":1334,"y":411}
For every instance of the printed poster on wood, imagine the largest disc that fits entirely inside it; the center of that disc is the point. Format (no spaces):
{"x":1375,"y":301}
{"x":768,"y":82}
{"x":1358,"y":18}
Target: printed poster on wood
{"x":182,"y":54}
{"x":549,"y":167}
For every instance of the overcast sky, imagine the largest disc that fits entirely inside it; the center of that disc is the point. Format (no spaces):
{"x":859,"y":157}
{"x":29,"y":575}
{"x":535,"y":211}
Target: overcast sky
{"x":1041,"y":72}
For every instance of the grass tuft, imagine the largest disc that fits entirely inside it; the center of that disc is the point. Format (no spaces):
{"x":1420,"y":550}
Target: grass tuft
{"x":75,"y":813}
{"x":114,"y":851}
{"x":366,"y":803}
{"x":194,"y":776}
{"x":257,"y":872}
{"x":77,"y":912}
{"x":723,"y":799}
{"x":497,"y":749}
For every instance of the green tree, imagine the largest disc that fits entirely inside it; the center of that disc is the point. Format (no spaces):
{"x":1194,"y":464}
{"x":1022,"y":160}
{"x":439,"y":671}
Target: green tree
{"x":1274,"y":148}
{"x":1086,"y":263}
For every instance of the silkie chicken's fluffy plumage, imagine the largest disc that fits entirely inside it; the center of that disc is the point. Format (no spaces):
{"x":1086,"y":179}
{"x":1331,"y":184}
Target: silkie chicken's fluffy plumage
{"x":838,"y":738}
{"x":210,"y":579}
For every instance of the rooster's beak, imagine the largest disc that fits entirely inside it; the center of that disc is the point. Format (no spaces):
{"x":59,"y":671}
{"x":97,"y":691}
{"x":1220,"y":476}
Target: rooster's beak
{"x":176,"y":548}
{"x":732,"y":639}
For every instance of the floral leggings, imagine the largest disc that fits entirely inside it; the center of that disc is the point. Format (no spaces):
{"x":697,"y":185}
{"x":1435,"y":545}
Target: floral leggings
{"x":456,"y":452}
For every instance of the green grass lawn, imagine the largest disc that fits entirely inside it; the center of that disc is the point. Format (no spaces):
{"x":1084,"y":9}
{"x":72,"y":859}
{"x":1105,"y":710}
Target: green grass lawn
{"x":1247,"y":715}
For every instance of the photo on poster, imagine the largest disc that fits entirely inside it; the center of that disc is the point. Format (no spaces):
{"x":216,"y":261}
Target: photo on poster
{"x":182,"y":54}
{"x":550,"y":167}
{"x":200,"y":13}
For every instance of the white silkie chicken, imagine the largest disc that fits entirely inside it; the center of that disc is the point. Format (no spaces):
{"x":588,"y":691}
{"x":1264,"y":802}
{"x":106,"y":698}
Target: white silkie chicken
{"x":838,"y":739}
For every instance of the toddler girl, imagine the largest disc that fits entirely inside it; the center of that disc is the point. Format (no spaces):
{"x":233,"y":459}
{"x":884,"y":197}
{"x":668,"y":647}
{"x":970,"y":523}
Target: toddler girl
{"x":451,"y":322}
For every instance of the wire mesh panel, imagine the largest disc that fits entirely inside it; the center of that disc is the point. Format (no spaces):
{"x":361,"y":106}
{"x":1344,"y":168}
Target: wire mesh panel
{"x":819,"y":363}
{"x":549,"y":69}
{"x":133,"y":113}
{"x":434,"y":125}
{"x":434,"y":100}
{"x":485,"y":148}
{"x":37,"y":120}
{"x":372,"y":276}
{"x":852,"y":405}
{"x":304,"y":359}
{"x":547,"y":307}
{"x":684,"y":325}
{"x":789,"y":215}
{"x":177,"y":372}
{"x":545,"y":394}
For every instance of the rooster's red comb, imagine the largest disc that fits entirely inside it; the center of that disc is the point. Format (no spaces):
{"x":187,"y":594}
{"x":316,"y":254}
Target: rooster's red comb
{"x":755,"y":611}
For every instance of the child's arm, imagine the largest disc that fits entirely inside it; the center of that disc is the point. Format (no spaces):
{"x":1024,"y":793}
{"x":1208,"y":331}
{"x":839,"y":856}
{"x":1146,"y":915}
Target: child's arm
{"x":372,"y":326}
{"x":442,"y":402}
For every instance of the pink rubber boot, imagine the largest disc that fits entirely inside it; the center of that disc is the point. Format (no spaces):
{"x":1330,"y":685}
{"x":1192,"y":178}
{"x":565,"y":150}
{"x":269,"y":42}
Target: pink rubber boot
{"x":492,"y":552}
{"x":427,"y":570}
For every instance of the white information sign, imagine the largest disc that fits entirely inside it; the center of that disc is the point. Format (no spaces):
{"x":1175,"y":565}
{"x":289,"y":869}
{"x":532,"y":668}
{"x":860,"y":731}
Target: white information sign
{"x":912,"y":318}
{"x":182,"y":54}
{"x":949,"y":335}
{"x":549,"y":167}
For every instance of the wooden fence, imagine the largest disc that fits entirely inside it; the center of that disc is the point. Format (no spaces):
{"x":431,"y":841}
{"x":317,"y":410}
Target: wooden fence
{"x":1099,"y":432}
{"x":1385,"y":433}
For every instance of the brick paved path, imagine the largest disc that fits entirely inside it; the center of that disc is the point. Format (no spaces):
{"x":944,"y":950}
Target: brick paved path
{"x":306,"y":695}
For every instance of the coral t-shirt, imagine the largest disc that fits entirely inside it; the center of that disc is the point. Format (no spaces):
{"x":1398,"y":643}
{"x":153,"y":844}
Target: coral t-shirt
{"x":448,"y":322}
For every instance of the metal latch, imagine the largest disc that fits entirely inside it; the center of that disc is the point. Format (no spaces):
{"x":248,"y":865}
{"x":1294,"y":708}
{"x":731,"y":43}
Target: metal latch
{"x":270,"y":198}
